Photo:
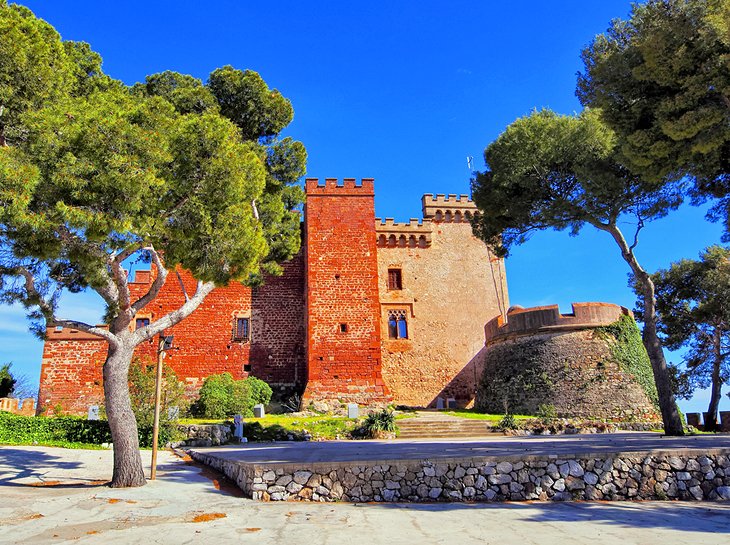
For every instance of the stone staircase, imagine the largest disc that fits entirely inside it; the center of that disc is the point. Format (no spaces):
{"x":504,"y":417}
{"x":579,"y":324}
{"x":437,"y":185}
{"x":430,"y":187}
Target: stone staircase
{"x":434,"y":425}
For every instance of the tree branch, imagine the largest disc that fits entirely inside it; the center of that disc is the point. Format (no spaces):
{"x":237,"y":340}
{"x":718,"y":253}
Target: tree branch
{"x":176,"y":316}
{"x":33,"y":296}
{"x":157,"y":283}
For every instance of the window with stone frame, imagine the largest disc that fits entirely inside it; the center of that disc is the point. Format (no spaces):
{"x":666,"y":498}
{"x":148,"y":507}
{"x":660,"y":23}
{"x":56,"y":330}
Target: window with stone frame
{"x":242,"y":329}
{"x":397,"y":324}
{"x":395,"y":279}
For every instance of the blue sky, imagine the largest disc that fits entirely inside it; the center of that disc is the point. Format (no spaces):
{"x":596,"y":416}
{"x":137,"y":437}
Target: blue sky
{"x":399,"y":91}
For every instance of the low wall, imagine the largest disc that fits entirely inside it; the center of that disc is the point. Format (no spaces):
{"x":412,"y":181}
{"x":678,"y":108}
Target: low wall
{"x":204,"y":435}
{"x":691,"y":475}
{"x":26,"y":407}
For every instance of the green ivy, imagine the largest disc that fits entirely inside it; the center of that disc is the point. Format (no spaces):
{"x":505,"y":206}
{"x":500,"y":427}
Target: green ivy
{"x":628,"y":349}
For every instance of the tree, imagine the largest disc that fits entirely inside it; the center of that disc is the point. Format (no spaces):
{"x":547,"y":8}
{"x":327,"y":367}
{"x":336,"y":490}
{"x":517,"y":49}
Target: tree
{"x":548,"y":171}
{"x":693,"y":304}
{"x":94,"y":174}
{"x":662,"y":82}
{"x":7,"y":380}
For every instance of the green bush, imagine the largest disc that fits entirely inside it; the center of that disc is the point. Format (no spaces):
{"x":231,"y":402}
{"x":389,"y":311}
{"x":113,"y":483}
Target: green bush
{"x":223,"y":397}
{"x":260,"y":391}
{"x":508,"y":422}
{"x":18,"y":429}
{"x":546,"y":413}
{"x":378,"y":423}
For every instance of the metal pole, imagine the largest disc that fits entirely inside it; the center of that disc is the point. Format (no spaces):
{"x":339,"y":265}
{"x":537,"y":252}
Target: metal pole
{"x":158,"y":395}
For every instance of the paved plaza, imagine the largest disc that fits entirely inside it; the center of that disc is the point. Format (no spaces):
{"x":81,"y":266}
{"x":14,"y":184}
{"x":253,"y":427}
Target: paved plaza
{"x":288,"y":452}
{"x":56,"y":496}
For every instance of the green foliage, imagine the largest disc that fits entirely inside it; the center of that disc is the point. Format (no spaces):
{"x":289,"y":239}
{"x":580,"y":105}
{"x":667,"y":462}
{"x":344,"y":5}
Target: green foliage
{"x":549,"y":171}
{"x":260,"y":391}
{"x":546,"y":413}
{"x":69,"y":431}
{"x":7,"y":381}
{"x":662,"y":81}
{"x":628,"y":349}
{"x":508,"y":422}
{"x":223,"y":397}
{"x":18,"y":429}
{"x":379,"y":423}
{"x":142,"y":378}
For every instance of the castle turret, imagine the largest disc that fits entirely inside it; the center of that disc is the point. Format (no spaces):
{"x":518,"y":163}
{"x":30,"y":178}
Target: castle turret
{"x":343,"y":311}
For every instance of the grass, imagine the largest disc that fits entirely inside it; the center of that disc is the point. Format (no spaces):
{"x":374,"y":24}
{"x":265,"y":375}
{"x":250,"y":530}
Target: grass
{"x":493,"y":418}
{"x":319,"y":426}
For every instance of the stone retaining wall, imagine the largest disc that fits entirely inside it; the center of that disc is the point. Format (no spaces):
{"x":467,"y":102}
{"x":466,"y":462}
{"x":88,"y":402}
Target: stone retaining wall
{"x":204,"y":435}
{"x":690,"y":475}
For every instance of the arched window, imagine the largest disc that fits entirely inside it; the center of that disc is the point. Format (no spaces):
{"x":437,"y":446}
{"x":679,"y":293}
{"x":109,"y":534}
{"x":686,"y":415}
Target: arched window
{"x":397,"y":324}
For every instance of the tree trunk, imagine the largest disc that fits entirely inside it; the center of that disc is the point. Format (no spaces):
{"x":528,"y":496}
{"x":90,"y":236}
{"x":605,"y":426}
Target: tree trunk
{"x":667,"y":404}
{"x":127,"y":460}
{"x":711,"y":420}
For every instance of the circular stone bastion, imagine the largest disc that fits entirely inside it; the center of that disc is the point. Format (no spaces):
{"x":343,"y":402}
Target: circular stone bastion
{"x":588,"y":364}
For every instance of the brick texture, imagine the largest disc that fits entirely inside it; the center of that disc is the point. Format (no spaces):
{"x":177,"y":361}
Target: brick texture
{"x":343,"y":315}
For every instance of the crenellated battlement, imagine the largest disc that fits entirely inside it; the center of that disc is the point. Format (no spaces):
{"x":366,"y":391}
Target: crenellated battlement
{"x":413,"y":234}
{"x":340,"y":188}
{"x":69,"y":334}
{"x":448,"y":208}
{"x":528,"y":321}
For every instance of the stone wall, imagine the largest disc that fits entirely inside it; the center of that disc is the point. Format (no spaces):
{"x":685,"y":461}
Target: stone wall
{"x":531,"y":361}
{"x":343,"y":315}
{"x":25,"y":407}
{"x":693,"y":475}
{"x":451,"y":286}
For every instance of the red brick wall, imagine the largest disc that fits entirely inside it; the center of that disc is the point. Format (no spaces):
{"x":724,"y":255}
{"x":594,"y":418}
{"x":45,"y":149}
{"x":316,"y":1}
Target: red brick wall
{"x":342,"y":288}
{"x":71,"y":372}
{"x":203,"y":343}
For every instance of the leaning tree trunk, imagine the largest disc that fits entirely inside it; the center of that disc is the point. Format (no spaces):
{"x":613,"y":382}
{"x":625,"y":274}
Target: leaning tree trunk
{"x":711,"y":420}
{"x":667,"y":404}
{"x":122,"y":422}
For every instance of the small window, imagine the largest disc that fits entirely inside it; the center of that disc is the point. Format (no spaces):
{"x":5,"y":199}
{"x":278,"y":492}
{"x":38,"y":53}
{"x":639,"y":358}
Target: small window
{"x":139,"y":323}
{"x":247,"y":368}
{"x":242,"y":329}
{"x":343,"y":328}
{"x":395,"y":281}
{"x":397,"y":324}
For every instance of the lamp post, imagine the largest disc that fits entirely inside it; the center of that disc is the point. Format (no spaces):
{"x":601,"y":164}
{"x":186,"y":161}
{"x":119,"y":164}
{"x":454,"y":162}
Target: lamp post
{"x":164,"y":344}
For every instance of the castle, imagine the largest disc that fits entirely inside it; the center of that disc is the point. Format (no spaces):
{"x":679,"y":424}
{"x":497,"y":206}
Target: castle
{"x":369,"y":311}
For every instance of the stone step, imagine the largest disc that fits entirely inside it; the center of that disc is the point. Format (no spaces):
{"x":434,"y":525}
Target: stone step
{"x":442,"y":428}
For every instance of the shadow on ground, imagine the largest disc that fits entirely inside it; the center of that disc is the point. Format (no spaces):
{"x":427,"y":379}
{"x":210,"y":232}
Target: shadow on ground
{"x":18,"y":465}
{"x":672,"y":515}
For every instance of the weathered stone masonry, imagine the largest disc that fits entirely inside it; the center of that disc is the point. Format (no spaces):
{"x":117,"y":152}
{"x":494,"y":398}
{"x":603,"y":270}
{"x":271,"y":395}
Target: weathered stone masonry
{"x":689,"y":475}
{"x":323,"y":327}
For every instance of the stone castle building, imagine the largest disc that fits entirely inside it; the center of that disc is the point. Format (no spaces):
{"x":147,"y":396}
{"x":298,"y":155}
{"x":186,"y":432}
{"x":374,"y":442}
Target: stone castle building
{"x":369,"y":311}
{"x":590,"y":363}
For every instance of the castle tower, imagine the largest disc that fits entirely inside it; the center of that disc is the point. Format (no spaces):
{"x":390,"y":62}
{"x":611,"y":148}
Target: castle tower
{"x":343,"y":312}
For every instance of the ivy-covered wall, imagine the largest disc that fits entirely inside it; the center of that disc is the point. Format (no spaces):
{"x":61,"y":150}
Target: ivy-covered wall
{"x":598,"y":372}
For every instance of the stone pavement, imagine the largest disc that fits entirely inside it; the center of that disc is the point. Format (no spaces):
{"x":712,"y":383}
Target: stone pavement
{"x":288,"y":452}
{"x":187,"y":506}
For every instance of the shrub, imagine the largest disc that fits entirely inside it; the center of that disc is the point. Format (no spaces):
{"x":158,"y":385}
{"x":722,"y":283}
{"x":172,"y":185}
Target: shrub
{"x":18,"y":429}
{"x":223,"y":397}
{"x":142,"y":378}
{"x":508,"y":422}
{"x":379,"y":423}
{"x":546,"y":413}
{"x":260,"y":391}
